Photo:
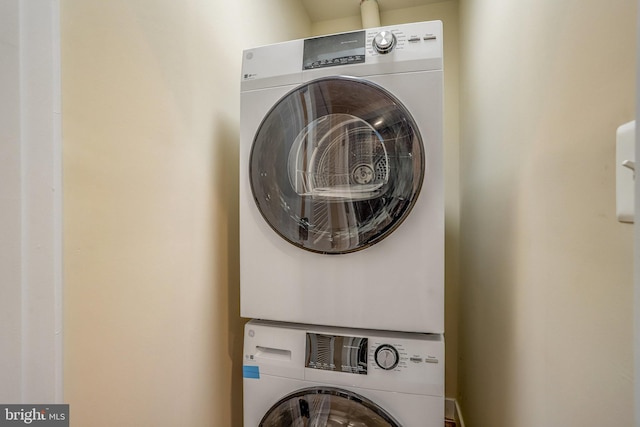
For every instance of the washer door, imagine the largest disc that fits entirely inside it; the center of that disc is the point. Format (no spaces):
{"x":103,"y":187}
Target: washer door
{"x":326,"y":406}
{"x":336,"y":165}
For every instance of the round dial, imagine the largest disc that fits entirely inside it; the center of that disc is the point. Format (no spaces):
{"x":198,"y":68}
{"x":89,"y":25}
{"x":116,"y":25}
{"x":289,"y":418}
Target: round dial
{"x":386,"y":357}
{"x":384,"y":42}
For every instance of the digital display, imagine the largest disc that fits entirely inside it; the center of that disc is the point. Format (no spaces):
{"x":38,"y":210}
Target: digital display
{"x":329,"y":51}
{"x":337,"y":353}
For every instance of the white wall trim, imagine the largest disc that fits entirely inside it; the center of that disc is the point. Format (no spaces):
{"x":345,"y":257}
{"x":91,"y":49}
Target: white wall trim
{"x":30,"y":195}
{"x":452,"y":411}
{"x":41,"y":180}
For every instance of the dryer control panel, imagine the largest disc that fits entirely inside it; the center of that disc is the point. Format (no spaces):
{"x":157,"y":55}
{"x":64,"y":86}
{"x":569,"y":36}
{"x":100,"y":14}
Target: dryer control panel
{"x":361,"y":46}
{"x":398,"y":48}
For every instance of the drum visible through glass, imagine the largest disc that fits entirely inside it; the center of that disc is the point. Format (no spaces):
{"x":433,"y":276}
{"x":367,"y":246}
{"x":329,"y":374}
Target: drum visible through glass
{"x":336,"y":165}
{"x":326,"y":406}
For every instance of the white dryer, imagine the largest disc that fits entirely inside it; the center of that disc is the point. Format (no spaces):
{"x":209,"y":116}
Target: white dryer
{"x":299,"y":375}
{"x":341,"y":180}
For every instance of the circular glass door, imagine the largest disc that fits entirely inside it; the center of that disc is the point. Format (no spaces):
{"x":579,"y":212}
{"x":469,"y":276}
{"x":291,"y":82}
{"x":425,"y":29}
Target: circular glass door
{"x":336,"y":165}
{"x":326,"y":407}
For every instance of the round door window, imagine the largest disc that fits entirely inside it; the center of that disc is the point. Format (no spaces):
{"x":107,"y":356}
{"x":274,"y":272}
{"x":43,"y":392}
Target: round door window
{"x":326,"y":406}
{"x":336,"y":165}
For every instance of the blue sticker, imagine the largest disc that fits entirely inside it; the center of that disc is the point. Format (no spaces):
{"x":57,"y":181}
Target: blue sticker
{"x":251,"y":372}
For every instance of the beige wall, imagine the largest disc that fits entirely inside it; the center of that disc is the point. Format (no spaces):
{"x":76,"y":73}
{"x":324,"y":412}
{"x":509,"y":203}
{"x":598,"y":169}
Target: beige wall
{"x":546,"y":290}
{"x":150,"y":120}
{"x":447,"y":12}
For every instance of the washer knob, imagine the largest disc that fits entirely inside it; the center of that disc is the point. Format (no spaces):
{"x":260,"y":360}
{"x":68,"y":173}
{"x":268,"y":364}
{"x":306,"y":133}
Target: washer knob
{"x":384,"y":42}
{"x":386,"y":357}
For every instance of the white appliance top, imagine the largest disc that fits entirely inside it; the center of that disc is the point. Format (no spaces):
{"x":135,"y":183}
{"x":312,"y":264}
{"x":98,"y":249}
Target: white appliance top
{"x":383,"y":50}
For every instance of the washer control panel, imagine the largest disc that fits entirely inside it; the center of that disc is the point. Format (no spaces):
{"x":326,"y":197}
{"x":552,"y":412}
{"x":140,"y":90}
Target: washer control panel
{"x":360,"y":355}
{"x":383,"y":360}
{"x":394,"y":361}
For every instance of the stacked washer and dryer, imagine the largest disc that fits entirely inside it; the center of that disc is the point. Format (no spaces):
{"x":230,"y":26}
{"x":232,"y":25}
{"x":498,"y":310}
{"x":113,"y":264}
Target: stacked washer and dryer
{"x":342,"y":229}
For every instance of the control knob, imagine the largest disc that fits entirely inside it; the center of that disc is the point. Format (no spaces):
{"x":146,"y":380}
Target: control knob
{"x":384,"y":42}
{"x":386,"y":357}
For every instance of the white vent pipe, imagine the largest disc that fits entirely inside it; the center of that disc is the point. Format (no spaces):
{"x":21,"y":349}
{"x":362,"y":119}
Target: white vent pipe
{"x":370,"y":13}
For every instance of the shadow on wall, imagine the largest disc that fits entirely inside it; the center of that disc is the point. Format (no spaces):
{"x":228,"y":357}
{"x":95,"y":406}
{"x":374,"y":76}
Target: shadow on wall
{"x":226,"y":153}
{"x":487,"y":277}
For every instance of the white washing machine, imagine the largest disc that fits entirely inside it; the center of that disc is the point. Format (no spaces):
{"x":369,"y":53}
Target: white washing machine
{"x":301,"y":375}
{"x":341,"y":180}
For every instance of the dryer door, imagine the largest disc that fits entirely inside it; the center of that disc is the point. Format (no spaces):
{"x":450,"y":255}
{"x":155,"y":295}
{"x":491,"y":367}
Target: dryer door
{"x":326,"y":406}
{"x":336,"y":165}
